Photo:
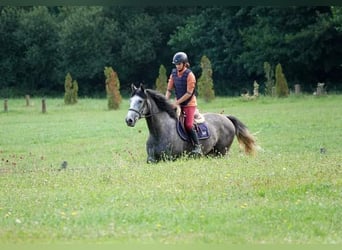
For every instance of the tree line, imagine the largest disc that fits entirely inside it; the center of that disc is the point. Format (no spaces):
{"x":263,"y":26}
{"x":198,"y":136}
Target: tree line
{"x":40,"y":45}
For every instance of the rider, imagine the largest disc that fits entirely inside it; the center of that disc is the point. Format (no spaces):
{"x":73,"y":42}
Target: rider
{"x":183,"y":81}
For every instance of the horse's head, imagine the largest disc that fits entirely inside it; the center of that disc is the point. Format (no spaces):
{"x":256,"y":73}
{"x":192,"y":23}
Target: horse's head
{"x":137,"y":105}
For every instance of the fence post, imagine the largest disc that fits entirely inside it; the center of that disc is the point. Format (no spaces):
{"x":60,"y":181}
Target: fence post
{"x":43,"y":106}
{"x":27,"y":97}
{"x":320,"y":88}
{"x":5,"y":105}
{"x":297,"y":89}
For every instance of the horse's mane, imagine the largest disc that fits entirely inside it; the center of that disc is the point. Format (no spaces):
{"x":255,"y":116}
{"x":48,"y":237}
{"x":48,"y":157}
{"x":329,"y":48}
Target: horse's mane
{"x":162,"y":103}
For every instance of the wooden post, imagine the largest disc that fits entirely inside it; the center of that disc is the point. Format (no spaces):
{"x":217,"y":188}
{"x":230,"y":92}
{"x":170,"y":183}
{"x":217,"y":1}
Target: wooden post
{"x":43,"y":106}
{"x":27,"y":97}
{"x":5,"y":105}
{"x":256,"y":89}
{"x":320,"y":88}
{"x":297,"y":89}
{"x":274,"y":91}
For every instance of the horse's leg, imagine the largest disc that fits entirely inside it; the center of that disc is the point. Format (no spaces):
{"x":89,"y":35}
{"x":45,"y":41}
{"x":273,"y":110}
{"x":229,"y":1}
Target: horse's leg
{"x":151,"y":156}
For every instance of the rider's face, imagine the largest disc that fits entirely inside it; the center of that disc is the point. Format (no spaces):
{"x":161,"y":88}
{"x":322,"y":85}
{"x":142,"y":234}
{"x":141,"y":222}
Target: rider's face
{"x":179,"y":66}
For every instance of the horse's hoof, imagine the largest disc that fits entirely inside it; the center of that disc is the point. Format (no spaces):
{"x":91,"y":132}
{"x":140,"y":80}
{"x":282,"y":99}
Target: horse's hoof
{"x":151,"y":160}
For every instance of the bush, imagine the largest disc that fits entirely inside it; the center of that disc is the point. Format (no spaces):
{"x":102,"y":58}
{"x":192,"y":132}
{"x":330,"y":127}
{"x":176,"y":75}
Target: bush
{"x":112,"y":88}
{"x":161,"y":81}
{"x":269,"y":74}
{"x":71,"y":90}
{"x":205,"y":82}
{"x":281,"y":86}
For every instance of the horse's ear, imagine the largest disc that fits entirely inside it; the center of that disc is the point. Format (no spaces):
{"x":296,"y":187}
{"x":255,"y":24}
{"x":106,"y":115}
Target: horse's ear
{"x":133,"y":87}
{"x":142,"y":87}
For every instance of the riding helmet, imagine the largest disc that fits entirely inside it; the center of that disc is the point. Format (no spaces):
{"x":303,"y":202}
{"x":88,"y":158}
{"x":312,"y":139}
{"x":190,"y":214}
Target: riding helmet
{"x":180,"y":57}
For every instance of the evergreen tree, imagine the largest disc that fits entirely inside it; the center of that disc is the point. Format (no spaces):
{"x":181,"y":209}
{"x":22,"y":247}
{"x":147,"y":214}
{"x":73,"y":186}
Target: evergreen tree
{"x":161,"y":81}
{"x":112,"y":88}
{"x":282,"y":89}
{"x":269,"y":74}
{"x":74,"y":94}
{"x":205,"y":82}
{"x":71,"y":90}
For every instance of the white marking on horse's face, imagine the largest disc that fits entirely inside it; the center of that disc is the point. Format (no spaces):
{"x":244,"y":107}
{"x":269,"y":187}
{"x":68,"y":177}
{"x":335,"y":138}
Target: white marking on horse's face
{"x":135,"y":110}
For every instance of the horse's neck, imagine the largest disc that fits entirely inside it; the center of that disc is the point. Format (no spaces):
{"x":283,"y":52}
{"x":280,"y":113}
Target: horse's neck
{"x":158,"y":121}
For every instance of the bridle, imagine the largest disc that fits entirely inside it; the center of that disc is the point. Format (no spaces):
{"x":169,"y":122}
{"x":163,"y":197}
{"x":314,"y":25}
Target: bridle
{"x":140,"y":112}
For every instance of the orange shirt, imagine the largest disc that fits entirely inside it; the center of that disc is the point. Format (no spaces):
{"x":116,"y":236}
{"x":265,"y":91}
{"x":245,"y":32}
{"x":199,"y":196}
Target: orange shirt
{"x":190,"y":87}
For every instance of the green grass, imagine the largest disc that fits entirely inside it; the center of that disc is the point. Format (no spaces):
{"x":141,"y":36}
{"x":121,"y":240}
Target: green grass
{"x":288,"y":193}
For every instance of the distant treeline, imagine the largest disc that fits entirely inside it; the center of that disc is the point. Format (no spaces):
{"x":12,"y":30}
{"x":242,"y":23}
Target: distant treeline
{"x":40,"y":45}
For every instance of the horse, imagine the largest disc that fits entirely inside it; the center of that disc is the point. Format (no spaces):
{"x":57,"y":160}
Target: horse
{"x":165,"y":143}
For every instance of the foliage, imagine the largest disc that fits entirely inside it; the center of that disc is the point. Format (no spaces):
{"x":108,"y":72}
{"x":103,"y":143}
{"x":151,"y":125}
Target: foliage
{"x":205,"y":81}
{"x":303,"y":37}
{"x":289,"y":194}
{"x":216,"y":33}
{"x":39,"y":44}
{"x":71,"y":90}
{"x":281,"y":87}
{"x":161,"y":81}
{"x":337,"y":17}
{"x":112,"y":88}
{"x":269,"y":75}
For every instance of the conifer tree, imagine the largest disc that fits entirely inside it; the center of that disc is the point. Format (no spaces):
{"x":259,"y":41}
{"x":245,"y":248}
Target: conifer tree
{"x":269,"y":74}
{"x":281,"y":86}
{"x":112,"y":88}
{"x":71,"y":90}
{"x":74,"y":95}
{"x":161,"y":81}
{"x":205,"y":82}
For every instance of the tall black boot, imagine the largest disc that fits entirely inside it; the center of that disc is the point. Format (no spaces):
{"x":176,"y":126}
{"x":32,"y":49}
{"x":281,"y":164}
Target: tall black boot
{"x":197,"y":150}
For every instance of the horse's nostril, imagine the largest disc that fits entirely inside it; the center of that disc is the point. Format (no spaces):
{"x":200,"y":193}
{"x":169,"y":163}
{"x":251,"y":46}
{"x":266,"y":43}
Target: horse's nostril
{"x":129,"y":121}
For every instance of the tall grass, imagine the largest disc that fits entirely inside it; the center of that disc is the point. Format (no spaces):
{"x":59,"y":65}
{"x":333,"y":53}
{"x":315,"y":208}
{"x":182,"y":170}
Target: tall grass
{"x":289,"y":193}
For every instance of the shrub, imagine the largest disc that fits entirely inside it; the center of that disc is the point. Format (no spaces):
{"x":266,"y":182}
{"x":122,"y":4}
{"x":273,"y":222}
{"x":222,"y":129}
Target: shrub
{"x":281,"y":86}
{"x":112,"y":88}
{"x":161,"y":81}
{"x":71,"y":90}
{"x":205,"y":82}
{"x":269,"y":74}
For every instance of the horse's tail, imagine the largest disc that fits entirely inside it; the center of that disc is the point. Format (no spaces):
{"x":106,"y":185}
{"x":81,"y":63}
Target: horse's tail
{"x":245,"y":138}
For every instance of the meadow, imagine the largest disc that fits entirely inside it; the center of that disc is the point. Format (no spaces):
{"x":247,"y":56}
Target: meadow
{"x":290,"y":192}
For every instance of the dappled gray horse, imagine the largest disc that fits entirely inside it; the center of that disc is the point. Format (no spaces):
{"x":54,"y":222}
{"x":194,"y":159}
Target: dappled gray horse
{"x":164,"y":141}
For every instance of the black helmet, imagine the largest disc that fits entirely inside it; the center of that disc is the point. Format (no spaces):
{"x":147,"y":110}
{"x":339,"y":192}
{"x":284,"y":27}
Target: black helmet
{"x":180,"y":57}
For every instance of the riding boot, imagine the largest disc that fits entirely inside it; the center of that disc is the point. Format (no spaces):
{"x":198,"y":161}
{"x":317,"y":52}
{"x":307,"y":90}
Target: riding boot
{"x":197,"y":150}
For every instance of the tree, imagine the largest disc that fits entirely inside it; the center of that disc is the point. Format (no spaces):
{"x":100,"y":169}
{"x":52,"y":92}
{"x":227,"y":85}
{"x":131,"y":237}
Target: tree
{"x":86,"y":39}
{"x":281,"y":83}
{"x":74,"y":93}
{"x":112,"y":88}
{"x":205,"y":81}
{"x":71,"y":90}
{"x":9,"y":49}
{"x":303,"y":37}
{"x":39,"y":40}
{"x":161,"y":81}
{"x":39,"y":44}
{"x":269,"y":74}
{"x":216,"y":32}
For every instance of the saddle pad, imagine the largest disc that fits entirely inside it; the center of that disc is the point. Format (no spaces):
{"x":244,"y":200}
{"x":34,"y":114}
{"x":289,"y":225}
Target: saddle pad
{"x":201,"y":130}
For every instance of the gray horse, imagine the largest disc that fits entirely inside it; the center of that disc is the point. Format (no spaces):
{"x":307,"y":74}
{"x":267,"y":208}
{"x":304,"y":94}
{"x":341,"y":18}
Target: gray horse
{"x":164,"y":142}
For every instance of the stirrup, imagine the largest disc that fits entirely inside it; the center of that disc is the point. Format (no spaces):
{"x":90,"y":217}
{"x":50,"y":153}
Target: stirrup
{"x":197,"y":150}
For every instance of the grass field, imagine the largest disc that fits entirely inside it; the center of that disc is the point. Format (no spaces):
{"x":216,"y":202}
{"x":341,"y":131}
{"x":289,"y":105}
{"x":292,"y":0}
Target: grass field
{"x":290,"y":192}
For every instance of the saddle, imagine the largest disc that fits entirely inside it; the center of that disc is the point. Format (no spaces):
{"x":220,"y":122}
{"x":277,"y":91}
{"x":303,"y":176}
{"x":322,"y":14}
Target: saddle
{"x":200,"y":126}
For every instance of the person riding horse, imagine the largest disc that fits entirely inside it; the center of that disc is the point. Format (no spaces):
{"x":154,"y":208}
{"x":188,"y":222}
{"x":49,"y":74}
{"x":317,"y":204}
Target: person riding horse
{"x":183,"y":81}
